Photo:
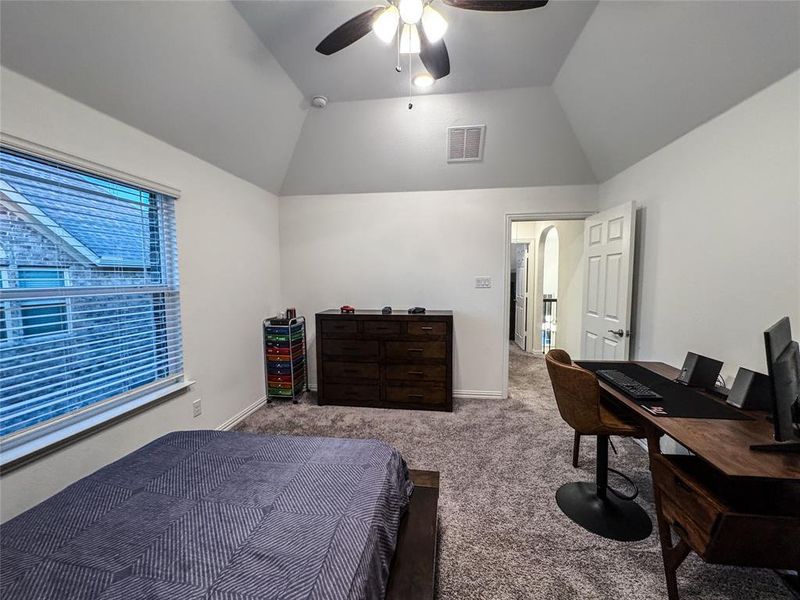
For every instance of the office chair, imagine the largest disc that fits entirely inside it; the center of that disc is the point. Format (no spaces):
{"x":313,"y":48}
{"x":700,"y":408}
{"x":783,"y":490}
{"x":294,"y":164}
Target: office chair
{"x":594,"y":506}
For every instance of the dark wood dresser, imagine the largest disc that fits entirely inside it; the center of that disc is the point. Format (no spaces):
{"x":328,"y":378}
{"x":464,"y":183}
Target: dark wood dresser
{"x":385,"y":361}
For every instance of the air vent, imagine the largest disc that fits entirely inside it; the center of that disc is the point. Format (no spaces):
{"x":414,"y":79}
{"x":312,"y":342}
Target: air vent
{"x":465,"y":144}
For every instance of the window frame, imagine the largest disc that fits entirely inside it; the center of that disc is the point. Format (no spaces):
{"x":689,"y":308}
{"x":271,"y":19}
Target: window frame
{"x":18,"y":448}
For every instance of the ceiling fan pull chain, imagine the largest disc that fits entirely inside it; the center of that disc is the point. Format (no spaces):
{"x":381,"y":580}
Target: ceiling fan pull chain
{"x":397,"y":67}
{"x":410,"y":90}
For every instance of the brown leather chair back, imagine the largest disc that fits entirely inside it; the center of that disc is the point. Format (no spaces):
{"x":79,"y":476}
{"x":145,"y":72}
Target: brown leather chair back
{"x":577,"y":393}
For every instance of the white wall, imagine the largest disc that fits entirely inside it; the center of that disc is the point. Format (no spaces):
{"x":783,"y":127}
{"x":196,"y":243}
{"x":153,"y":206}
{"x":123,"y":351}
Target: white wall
{"x":228,"y":251}
{"x":381,"y":146}
{"x":550,"y":266}
{"x":718,"y":254}
{"x":415,"y":248}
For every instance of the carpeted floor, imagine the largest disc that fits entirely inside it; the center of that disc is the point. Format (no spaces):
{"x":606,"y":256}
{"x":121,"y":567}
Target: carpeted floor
{"x":502,"y":536}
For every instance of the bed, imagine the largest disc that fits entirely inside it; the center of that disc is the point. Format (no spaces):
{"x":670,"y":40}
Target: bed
{"x":231,"y":516}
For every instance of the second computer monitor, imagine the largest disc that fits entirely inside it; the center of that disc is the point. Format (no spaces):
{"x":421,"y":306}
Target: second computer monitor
{"x":783,"y":364}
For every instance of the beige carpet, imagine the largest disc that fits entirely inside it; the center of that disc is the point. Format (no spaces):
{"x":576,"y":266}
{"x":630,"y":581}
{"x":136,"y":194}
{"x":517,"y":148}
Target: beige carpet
{"x":502,"y":536}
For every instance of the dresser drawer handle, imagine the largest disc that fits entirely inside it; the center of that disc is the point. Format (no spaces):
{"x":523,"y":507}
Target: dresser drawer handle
{"x":351,"y":371}
{"x":416,"y":395}
{"x":416,"y":349}
{"x":427,"y":328}
{"x":350,"y":349}
{"x":416,"y":373}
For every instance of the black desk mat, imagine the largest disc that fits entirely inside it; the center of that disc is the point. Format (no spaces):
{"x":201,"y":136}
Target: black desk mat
{"x":678,"y":400}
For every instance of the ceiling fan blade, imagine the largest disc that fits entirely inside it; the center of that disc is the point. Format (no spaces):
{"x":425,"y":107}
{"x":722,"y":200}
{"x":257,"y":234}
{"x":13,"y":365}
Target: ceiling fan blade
{"x":349,"y":32}
{"x":496,"y":5}
{"x":434,"y":56}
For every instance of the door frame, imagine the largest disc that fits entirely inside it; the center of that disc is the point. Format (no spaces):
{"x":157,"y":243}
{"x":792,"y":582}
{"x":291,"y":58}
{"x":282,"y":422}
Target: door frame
{"x":512,"y":217}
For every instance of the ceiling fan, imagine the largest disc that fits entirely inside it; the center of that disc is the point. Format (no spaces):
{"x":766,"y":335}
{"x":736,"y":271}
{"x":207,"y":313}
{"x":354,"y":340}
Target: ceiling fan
{"x":421,"y":28}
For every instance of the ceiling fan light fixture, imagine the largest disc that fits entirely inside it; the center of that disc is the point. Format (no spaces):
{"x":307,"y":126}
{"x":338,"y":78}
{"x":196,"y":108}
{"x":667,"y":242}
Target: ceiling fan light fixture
{"x":423,"y":80}
{"x":385,"y":26}
{"x":409,"y":40}
{"x":411,"y":11}
{"x":434,"y":24}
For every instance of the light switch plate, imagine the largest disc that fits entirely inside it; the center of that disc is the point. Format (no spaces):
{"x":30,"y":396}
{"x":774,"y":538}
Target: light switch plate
{"x":197,"y":408}
{"x":483,"y":282}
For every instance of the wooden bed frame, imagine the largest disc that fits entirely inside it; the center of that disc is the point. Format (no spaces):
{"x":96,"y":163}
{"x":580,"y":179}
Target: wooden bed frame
{"x":413,"y":570}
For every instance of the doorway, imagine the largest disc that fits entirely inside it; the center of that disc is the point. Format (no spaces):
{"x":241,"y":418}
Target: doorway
{"x":544,"y":279}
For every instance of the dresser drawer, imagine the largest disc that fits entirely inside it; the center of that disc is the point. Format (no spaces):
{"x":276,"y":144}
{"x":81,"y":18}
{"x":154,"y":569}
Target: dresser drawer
{"x":351,"y":349}
{"x":382,"y":327}
{"x":423,"y":328}
{"x":415,"y":350}
{"x":415,"y":395}
{"x":351,"y":370}
{"x":333,"y":327}
{"x":352,"y":393}
{"x":437,"y":373}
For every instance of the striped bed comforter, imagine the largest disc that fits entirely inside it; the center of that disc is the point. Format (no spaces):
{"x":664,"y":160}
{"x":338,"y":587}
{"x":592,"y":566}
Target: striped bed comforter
{"x":216,"y":515}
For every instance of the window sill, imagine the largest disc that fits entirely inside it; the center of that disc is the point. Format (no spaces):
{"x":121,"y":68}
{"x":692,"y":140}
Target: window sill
{"x":29,"y":451}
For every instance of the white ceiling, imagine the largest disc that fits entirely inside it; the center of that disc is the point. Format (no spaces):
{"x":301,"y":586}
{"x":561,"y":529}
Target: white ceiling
{"x":192,"y":74}
{"x":487,"y":50}
{"x":644,"y":73}
{"x":631,"y":77}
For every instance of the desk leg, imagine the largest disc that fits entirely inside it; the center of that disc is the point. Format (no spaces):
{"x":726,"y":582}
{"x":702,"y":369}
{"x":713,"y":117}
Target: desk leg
{"x":672,"y":556}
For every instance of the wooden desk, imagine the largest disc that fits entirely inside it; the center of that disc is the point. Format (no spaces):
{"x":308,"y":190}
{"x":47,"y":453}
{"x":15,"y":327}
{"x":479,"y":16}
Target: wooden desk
{"x":727,"y":503}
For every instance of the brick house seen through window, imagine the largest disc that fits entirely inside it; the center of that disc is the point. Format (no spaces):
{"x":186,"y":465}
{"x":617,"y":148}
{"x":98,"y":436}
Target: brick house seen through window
{"x":89,"y":303}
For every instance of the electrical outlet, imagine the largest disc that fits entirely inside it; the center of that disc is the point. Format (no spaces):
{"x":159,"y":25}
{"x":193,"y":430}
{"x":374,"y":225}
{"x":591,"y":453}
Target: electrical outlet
{"x":483,"y":282}
{"x":197,"y":408}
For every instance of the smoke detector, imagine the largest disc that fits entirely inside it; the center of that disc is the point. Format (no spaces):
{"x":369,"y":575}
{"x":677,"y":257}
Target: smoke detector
{"x":319,"y":102}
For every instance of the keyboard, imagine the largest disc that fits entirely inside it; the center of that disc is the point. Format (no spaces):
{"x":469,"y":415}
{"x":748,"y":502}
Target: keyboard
{"x":630,"y":386}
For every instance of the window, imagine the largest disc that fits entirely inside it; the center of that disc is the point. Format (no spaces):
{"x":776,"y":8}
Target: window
{"x":3,"y":330}
{"x":42,"y":317}
{"x":89,"y":303}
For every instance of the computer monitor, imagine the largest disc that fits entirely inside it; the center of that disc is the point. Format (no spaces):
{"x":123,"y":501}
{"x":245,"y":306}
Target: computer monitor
{"x":783,"y":366}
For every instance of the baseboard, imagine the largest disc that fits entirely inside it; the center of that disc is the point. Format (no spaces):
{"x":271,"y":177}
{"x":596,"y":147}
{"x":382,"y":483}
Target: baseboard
{"x":235,"y":419}
{"x":478,"y":394}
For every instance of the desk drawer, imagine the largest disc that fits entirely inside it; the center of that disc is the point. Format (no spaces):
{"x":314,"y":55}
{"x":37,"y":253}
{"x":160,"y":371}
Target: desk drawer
{"x":686,"y":502}
{"x":415,"y":395}
{"x":351,"y":349}
{"x":338,"y":326}
{"x":351,"y":370}
{"x":422,"y":328}
{"x":436,"y":373}
{"x":415,"y":350}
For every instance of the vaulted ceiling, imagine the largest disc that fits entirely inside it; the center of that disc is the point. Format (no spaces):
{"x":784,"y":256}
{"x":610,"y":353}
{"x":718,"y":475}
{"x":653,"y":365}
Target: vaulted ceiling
{"x":192,"y":74}
{"x":644,"y":73}
{"x":230,"y":83}
{"x":488,"y":51}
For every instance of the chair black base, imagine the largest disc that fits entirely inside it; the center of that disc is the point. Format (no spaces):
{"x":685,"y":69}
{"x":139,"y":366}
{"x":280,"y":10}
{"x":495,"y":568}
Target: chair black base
{"x":610,"y":517}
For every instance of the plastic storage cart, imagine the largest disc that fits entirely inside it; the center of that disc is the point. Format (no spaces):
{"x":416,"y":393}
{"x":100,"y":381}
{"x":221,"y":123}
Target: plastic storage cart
{"x":285,"y":358}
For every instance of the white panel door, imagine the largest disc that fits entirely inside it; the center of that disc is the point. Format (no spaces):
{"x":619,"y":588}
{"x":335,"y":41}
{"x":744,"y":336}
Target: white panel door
{"x":521,"y":295}
{"x":608,"y":284}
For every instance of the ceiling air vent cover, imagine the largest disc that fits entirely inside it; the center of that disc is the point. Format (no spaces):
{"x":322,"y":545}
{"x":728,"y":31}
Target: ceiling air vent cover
{"x":465,"y":144}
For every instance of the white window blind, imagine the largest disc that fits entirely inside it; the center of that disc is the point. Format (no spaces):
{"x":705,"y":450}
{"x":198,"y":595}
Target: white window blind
{"x":89,"y":296}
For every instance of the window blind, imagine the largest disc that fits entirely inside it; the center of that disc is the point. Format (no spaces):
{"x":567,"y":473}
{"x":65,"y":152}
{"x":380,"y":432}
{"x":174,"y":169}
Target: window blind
{"x":89,"y":294}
